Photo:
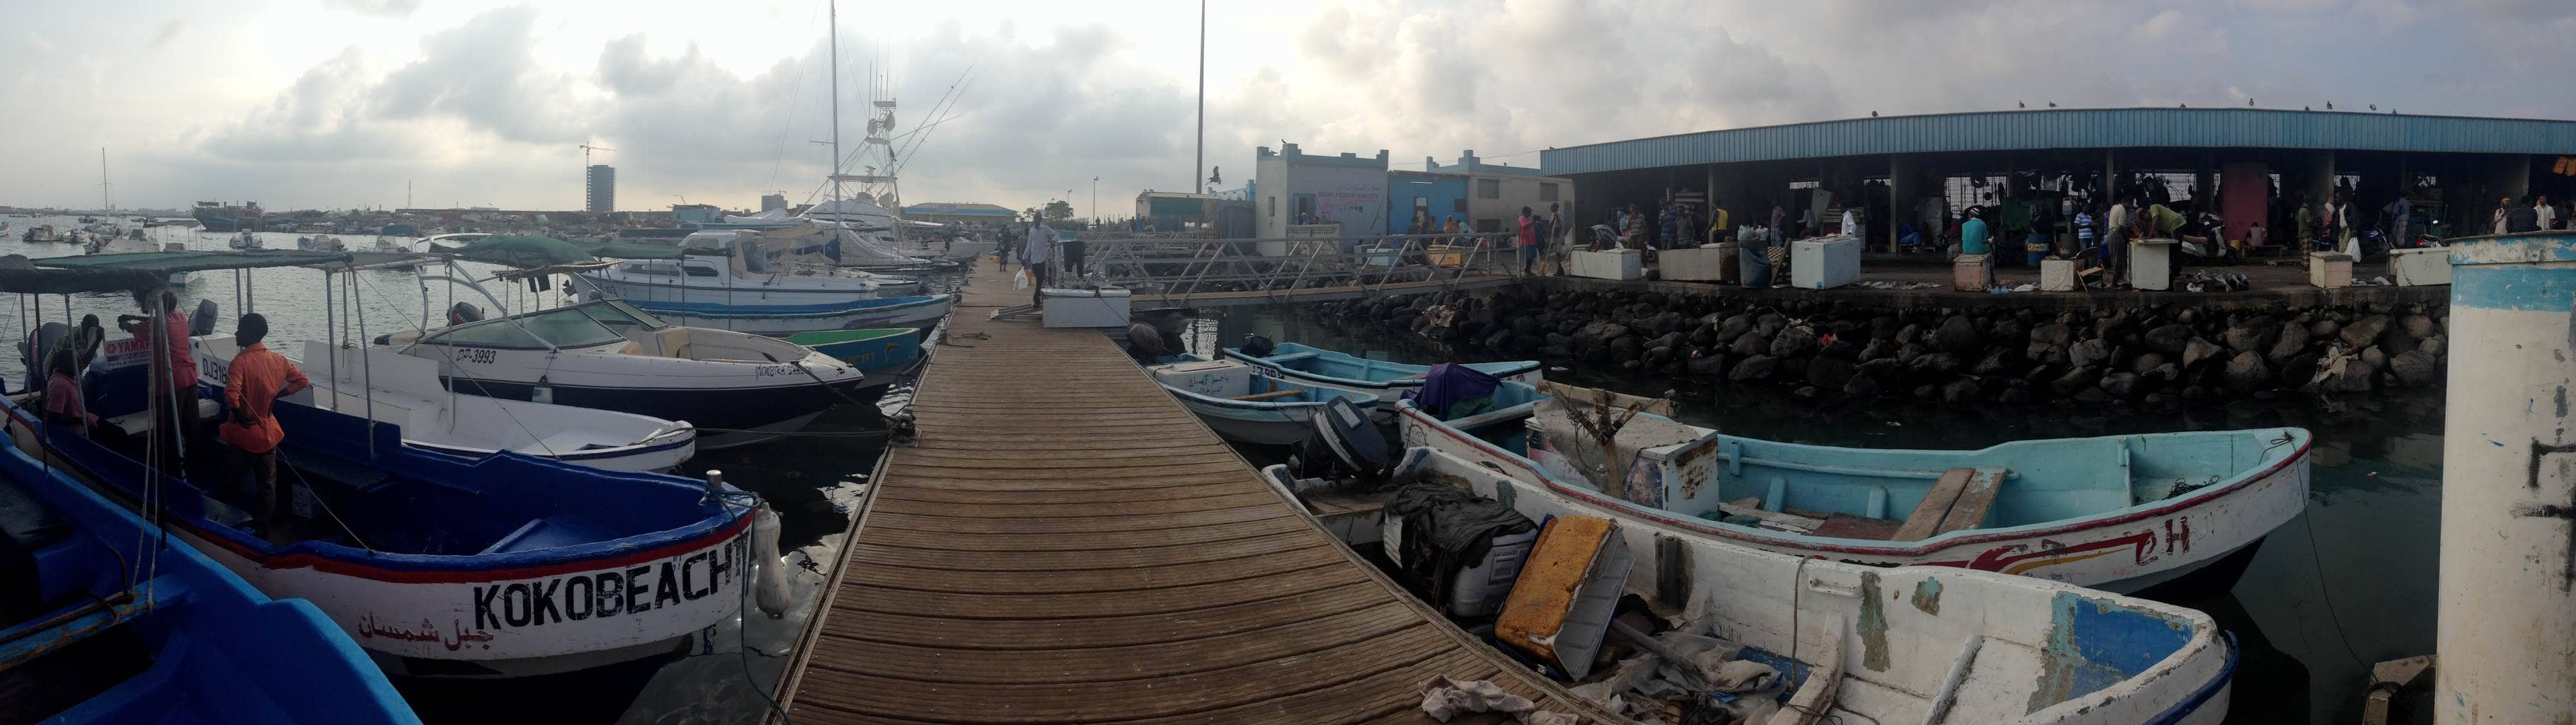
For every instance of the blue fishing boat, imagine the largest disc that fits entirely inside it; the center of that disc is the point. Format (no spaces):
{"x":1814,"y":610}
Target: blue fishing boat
{"x":920,"y":311}
{"x":1319,"y":366}
{"x":435,"y":564}
{"x":103,"y":622}
{"x":1247,"y":404}
{"x":2174,"y":511}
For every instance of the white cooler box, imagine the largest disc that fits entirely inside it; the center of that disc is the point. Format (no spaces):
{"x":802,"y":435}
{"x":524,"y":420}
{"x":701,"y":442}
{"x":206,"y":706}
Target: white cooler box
{"x":1824,"y":263}
{"x":1704,"y":263}
{"x":1612,"y":264}
{"x":2420,"y":267}
{"x":1104,"y":307}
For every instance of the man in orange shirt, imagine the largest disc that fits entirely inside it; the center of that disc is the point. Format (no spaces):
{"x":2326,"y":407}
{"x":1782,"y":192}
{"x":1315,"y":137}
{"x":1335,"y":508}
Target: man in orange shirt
{"x":251,"y":389}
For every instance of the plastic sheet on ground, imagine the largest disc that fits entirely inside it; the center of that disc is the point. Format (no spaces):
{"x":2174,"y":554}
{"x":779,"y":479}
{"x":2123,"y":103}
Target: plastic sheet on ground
{"x":1443,"y":699}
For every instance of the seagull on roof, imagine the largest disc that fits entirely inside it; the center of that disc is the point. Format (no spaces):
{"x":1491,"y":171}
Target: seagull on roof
{"x":2305,"y":108}
{"x":2330,"y":105}
{"x":2374,"y":106}
{"x":2182,"y":105}
{"x":2052,"y":104}
{"x":2249,"y":103}
{"x":1873,"y":114}
{"x":2021,"y":104}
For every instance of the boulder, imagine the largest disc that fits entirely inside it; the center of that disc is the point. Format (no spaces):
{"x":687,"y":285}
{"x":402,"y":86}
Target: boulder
{"x":2013,"y":395}
{"x":1707,"y":363}
{"x":2324,"y":327}
{"x":1501,"y":339}
{"x":1839,"y":348}
{"x":2091,"y":352}
{"x":1770,"y":324}
{"x":2373,"y":356}
{"x":1749,"y":344}
{"x":2357,"y":377}
{"x":2365,"y":332}
{"x":1879,"y":368}
{"x":1909,"y":334}
{"x":2255,"y":334}
{"x":2197,"y":351}
{"x":2054,"y":334}
{"x":1666,"y":322}
{"x":1958,"y":336}
{"x":2120,"y":386}
{"x":2092,"y":396}
{"x":1998,"y":362}
{"x":2080,"y":378}
{"x":2414,"y":367}
{"x":1860,"y":386}
{"x":2293,"y":340}
{"x":1757,"y":367}
{"x":2167,"y":373}
{"x":1935,"y":362}
{"x":2417,"y":326}
{"x":1625,"y":348}
{"x":1960,"y":391}
{"x":2042,"y":353}
{"x":1793,"y":341}
{"x":2170,"y":338}
{"x":2295,"y":371}
{"x":1668,"y":340}
{"x":2145,"y":362}
{"x":1804,"y":391}
{"x":1877,"y":349}
{"x":1827,"y":372}
{"x":2395,"y":340}
{"x":2434,"y":345}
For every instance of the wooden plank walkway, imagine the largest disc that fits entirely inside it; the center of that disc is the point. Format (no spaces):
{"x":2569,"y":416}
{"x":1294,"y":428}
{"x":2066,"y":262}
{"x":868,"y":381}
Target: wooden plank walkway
{"x":1065,"y":544}
{"x":1317,"y":294}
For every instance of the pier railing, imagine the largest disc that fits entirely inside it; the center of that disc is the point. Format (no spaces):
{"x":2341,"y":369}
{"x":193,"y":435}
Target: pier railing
{"x":1178,"y":269}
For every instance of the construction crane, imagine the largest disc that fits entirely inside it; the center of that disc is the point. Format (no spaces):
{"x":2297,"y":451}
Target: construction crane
{"x":585,"y":154}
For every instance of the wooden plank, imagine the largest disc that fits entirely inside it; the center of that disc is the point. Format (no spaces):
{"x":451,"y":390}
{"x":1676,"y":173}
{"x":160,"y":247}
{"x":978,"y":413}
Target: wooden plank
{"x":1927,"y":516}
{"x":1095,"y":509}
{"x":1085,"y":581}
{"x":1035,"y":665}
{"x":1847,"y":526}
{"x":1038,"y":607}
{"x":1080,"y":559}
{"x":1084,"y":524}
{"x":934,"y":630}
{"x":1074,"y":493}
{"x":916,"y":467}
{"x":1970,"y":511}
{"x":1109,"y":541}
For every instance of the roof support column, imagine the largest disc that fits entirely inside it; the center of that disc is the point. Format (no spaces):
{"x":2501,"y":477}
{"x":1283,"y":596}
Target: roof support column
{"x":1901,"y":173}
{"x":2110,"y":176}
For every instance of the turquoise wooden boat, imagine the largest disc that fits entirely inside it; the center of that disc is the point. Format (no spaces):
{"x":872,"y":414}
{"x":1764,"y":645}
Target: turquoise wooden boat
{"x":1319,"y":366}
{"x":2120,"y":513}
{"x":870,"y":349}
{"x":1246,"y":403}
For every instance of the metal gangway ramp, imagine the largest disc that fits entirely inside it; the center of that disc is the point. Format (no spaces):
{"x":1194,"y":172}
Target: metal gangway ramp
{"x":1180,"y":271}
{"x":1063,"y":543}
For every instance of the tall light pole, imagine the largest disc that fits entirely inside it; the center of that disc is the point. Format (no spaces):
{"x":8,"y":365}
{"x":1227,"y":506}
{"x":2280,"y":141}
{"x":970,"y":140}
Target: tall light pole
{"x":1198,"y":161}
{"x":1095,"y":202}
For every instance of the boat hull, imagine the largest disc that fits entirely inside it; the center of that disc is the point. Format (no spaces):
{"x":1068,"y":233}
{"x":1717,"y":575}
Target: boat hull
{"x":769,"y":410}
{"x":1390,"y":377}
{"x":1268,"y":428}
{"x":2121,"y":551}
{"x":781,"y":321}
{"x":1898,"y":633}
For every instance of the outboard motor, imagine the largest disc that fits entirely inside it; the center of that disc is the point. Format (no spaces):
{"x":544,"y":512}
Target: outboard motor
{"x":203,"y":321}
{"x":1257,"y":346}
{"x":1344,"y":445}
{"x":462,"y":313}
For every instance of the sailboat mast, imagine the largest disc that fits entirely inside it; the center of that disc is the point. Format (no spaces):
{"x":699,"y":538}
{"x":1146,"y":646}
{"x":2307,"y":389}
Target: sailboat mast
{"x":102,"y":180}
{"x":836,"y":107}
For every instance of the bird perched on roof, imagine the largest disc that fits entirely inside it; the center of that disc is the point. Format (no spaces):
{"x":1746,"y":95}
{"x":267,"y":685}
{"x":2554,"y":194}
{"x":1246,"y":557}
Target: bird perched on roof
{"x":2330,"y":105}
{"x":1873,"y":114}
{"x":2305,"y":108}
{"x":2374,"y":106}
{"x":2182,"y":105}
{"x":2021,"y":104}
{"x":2052,"y":104}
{"x":2249,"y":103}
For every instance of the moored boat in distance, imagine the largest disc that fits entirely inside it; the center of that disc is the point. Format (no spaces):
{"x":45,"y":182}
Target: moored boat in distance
{"x":216,"y":216}
{"x":42,"y":233}
{"x":1246,"y":404}
{"x":1343,"y":370}
{"x":1853,"y":642}
{"x":2178,"y":511}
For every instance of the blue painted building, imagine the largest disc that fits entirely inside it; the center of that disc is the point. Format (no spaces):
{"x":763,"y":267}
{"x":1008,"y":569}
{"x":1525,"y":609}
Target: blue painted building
{"x":1412,"y":195}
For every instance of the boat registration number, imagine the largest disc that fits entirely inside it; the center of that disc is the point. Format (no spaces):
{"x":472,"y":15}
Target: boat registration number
{"x":476,"y":355}
{"x":771,"y":370}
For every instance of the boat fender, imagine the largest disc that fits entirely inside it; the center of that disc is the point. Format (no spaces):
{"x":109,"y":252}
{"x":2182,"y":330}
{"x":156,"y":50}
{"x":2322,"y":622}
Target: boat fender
{"x":542,"y":393}
{"x":769,"y":589}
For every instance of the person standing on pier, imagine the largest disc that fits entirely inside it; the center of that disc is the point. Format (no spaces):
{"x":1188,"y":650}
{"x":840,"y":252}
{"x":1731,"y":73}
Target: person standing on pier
{"x":252,"y":385}
{"x":2546,"y":215}
{"x":1528,"y":236}
{"x":1036,"y":250}
{"x":1634,"y":233}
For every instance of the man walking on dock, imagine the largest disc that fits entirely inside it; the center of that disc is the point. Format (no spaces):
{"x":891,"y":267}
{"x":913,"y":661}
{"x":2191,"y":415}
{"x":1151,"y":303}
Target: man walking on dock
{"x":1035,"y":251}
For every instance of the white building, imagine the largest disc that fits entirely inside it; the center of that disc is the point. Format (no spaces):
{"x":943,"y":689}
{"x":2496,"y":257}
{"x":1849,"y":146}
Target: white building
{"x":1297,"y":188}
{"x":1496,"y":192}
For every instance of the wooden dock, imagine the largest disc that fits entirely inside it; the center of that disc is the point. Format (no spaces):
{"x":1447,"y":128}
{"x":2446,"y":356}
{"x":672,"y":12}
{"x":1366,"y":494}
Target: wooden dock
{"x":1065,"y":544}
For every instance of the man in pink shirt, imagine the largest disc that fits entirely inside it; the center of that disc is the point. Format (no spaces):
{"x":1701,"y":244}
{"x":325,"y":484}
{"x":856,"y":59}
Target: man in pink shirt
{"x":178,"y":392}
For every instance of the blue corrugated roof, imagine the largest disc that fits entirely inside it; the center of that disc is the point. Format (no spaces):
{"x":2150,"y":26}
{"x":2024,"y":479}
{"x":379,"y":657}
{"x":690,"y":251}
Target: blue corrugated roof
{"x":2075,"y":128}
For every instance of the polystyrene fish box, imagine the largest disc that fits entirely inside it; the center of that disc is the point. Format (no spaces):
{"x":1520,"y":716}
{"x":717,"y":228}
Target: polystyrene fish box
{"x":1824,"y":263}
{"x":1104,"y":307}
{"x":1560,"y":609}
{"x":2151,"y":263}
{"x":1610,"y":264}
{"x":2420,"y":267}
{"x":2329,"y":269}
{"x":1706,"y":263}
{"x":2057,"y":275}
{"x":1972,"y":273}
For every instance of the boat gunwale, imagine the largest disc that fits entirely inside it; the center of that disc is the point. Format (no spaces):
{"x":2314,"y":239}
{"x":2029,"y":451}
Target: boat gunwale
{"x":1518,"y":367}
{"x":1929,"y":546}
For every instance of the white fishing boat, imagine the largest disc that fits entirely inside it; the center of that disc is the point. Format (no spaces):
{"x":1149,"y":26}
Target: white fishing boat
{"x":2119,"y":513}
{"x":1247,"y":404}
{"x":742,"y":267}
{"x":738,"y":388}
{"x":1853,"y":642}
{"x":380,"y":384}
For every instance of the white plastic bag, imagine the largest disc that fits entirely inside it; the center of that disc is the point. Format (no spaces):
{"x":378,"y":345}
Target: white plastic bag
{"x":1020,"y":281}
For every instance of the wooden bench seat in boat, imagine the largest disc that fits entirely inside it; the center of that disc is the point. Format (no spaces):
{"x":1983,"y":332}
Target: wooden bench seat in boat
{"x":1959,"y":500}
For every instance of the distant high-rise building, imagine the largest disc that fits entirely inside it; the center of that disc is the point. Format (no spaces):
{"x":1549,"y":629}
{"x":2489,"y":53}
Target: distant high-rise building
{"x":599,"y":190}
{"x":773,"y":201}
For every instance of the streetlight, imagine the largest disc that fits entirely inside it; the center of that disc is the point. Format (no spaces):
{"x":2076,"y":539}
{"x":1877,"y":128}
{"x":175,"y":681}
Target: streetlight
{"x":1095,"y":202}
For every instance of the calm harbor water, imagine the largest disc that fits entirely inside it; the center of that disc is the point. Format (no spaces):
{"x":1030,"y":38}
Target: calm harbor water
{"x":2347,"y":583}
{"x":813,"y":483}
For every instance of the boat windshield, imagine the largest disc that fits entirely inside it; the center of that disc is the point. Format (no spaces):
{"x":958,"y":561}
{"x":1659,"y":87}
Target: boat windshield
{"x":561,"y":327}
{"x":622,"y":317}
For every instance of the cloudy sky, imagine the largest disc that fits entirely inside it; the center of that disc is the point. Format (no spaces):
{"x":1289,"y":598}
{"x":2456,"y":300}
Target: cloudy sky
{"x":339,"y":103}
